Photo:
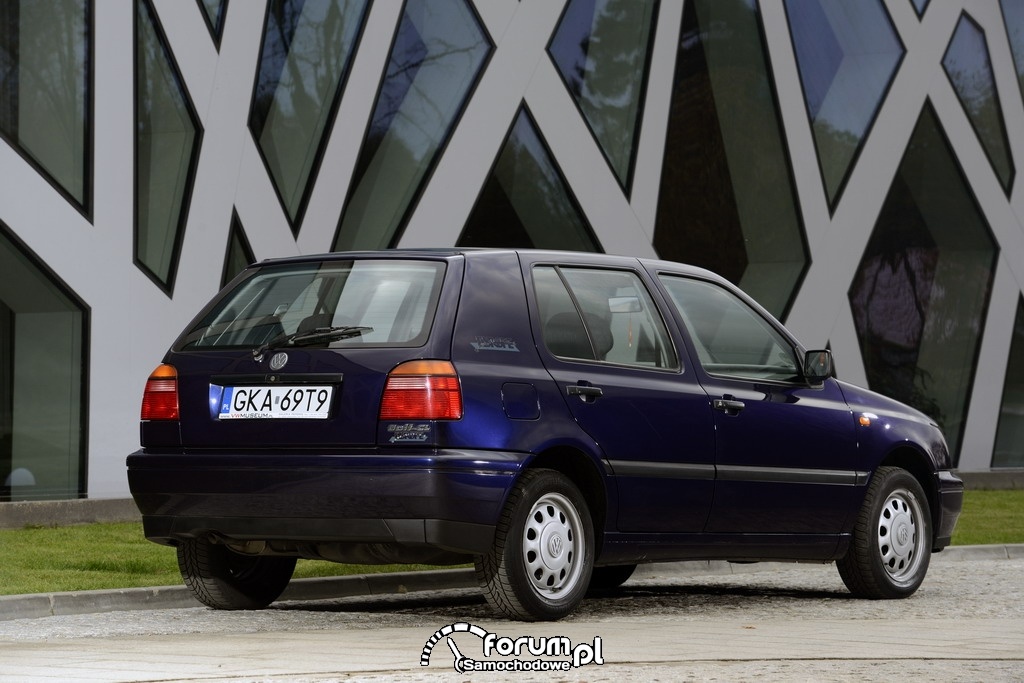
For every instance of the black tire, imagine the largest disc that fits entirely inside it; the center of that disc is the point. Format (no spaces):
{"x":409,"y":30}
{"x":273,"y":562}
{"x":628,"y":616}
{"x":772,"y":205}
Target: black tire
{"x":223,"y":579}
{"x":891,"y":546}
{"x":610,"y":577}
{"x":540,"y":564}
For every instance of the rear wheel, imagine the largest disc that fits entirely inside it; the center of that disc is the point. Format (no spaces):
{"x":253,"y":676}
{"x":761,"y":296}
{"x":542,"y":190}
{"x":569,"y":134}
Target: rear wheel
{"x":540,"y":564}
{"x":223,"y":579}
{"x":891,"y":546}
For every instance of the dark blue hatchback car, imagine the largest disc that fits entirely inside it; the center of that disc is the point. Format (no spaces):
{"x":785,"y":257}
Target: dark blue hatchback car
{"x":555,"y":418}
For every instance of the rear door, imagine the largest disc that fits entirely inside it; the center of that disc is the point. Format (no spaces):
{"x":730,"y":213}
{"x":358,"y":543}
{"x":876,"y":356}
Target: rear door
{"x":607,"y":348}
{"x":297,"y":355}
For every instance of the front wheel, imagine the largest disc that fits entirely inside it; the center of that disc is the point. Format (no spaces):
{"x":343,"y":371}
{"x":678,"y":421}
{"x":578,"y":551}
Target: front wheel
{"x":891,"y":545}
{"x":223,"y":579}
{"x":540,"y":564}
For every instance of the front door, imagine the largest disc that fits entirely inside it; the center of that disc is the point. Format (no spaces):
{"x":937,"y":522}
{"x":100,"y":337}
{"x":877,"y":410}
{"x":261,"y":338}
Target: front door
{"x":785,"y":451}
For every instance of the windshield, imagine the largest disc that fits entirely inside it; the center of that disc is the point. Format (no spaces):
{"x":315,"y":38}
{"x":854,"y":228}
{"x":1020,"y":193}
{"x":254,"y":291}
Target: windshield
{"x":392,"y":301}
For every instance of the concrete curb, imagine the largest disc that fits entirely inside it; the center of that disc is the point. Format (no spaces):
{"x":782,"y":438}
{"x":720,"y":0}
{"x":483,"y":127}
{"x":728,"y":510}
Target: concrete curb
{"x":178,"y":597}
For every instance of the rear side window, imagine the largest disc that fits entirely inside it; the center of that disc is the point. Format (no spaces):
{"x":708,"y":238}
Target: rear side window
{"x":601,"y":315}
{"x":391,"y":302}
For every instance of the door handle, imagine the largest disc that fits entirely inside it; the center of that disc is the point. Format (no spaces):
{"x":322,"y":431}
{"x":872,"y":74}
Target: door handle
{"x":587,"y":393}
{"x":728,"y":405}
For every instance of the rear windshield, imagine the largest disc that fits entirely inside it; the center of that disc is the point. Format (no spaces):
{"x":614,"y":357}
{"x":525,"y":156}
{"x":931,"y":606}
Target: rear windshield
{"x":380,"y":303}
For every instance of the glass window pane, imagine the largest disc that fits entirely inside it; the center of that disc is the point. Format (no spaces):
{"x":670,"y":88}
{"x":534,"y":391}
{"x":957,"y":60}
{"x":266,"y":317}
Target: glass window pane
{"x":239,"y":253}
{"x":45,"y":101}
{"x":166,"y":145}
{"x":731,"y":339}
{"x":307,"y":47}
{"x":526,"y":203}
{"x":213,"y":11}
{"x":847,"y":54}
{"x":42,"y":361}
{"x":393,"y":300}
{"x":601,"y":49}
{"x":437,"y":56}
{"x":1013,"y":17}
{"x":967,"y":64}
{"x":727,"y":201}
{"x":1009,"y":449}
{"x":921,"y":292}
{"x":615,"y":321}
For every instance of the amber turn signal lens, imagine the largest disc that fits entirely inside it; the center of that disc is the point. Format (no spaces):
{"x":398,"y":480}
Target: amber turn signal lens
{"x":160,"y":400}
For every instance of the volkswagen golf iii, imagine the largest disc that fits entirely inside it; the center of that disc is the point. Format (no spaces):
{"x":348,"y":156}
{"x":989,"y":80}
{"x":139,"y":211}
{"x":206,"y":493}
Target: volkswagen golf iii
{"x":554,"y":418}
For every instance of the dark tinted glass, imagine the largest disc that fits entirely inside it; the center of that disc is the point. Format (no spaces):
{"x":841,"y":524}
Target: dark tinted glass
{"x":1009,"y":450}
{"x":45,"y":99}
{"x":43,"y":332}
{"x":970,"y":71}
{"x":847,"y":53}
{"x":1013,"y":17}
{"x":727,"y":201}
{"x":213,"y":11}
{"x":239,"y":254}
{"x":437,"y":56}
{"x":167,"y":138}
{"x":921,"y":292}
{"x":525,"y":202}
{"x":601,"y":50}
{"x":307,"y":47}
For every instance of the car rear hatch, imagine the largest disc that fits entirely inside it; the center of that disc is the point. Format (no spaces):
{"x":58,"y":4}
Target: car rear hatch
{"x":297,"y":353}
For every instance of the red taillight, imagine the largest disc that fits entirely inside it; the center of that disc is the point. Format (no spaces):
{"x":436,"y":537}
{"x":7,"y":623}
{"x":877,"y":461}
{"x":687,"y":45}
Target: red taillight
{"x":160,"y":401}
{"x":422,"y":390}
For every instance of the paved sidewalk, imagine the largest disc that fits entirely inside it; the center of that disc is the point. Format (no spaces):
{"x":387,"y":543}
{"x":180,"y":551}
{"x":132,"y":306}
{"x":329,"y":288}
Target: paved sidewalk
{"x":178,"y":597}
{"x":770,"y":622}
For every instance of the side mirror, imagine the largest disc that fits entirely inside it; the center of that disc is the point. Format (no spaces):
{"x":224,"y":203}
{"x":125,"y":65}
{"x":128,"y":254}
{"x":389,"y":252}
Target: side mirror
{"x":818,"y":366}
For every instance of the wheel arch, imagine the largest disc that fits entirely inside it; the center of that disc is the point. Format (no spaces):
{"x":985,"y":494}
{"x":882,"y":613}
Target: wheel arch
{"x":919,"y":465}
{"x":585,"y":474}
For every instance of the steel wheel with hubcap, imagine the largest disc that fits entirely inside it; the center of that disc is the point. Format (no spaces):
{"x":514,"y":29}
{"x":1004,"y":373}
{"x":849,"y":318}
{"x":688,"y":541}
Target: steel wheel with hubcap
{"x":540,"y":564}
{"x":891,"y":546}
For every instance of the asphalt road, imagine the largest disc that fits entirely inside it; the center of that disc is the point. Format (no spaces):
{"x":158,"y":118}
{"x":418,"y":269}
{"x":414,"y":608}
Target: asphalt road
{"x":767,"y":622}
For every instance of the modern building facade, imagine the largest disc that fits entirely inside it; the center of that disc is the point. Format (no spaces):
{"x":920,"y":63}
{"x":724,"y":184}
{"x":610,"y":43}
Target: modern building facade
{"x":852,"y":165}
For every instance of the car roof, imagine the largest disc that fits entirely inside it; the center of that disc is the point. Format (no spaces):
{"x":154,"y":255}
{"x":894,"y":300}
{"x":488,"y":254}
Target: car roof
{"x":532,"y":255}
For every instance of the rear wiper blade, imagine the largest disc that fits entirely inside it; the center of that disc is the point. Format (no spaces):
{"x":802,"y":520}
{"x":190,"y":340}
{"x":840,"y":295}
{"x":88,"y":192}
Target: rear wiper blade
{"x":308,"y":337}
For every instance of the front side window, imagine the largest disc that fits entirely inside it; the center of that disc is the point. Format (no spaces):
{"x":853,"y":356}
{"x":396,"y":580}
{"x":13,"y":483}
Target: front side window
{"x":354,"y":303}
{"x":601,"y":315}
{"x":731,"y":338}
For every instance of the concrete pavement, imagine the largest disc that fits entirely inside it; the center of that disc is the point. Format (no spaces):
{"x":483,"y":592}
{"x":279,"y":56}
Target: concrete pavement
{"x":179,"y":597}
{"x":670,"y":622}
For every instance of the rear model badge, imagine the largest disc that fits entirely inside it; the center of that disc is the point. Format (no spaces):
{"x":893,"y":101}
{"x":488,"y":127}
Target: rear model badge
{"x":278,"y":361}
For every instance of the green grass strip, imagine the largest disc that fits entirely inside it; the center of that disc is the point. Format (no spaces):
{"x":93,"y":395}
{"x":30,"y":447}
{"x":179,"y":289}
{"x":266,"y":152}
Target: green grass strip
{"x":96,"y":556}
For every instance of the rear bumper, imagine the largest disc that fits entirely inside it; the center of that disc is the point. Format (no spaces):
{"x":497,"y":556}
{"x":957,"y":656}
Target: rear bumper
{"x":448,"y":500}
{"x":950,"y":490}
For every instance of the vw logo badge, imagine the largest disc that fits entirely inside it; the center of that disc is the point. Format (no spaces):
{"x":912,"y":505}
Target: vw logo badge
{"x":555,"y":546}
{"x":278,"y":361}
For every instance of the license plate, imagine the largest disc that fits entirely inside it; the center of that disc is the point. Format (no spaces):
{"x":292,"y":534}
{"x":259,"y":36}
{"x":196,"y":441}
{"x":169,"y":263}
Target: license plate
{"x":272,"y":402}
